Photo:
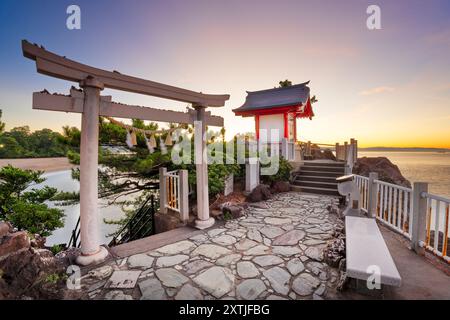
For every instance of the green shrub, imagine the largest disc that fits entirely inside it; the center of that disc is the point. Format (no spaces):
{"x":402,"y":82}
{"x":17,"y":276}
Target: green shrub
{"x":283,"y":173}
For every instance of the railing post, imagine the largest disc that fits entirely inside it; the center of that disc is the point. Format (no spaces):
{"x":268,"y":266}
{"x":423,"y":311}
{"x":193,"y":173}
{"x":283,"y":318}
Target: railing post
{"x":419,"y":215}
{"x":184,"y":191}
{"x":162,"y":190}
{"x":251,"y":174}
{"x":345,"y":151}
{"x":337,"y":151}
{"x":308,"y":148}
{"x":373,"y":195}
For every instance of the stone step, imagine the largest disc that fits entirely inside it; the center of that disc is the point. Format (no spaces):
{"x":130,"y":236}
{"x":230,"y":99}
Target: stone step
{"x":316,"y":184}
{"x":320,"y":174}
{"x":326,"y":191}
{"x":315,"y":178}
{"x":324,"y":164}
{"x":322,"y":168}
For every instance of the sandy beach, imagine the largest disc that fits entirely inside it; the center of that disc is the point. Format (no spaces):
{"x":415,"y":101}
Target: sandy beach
{"x":45,"y":164}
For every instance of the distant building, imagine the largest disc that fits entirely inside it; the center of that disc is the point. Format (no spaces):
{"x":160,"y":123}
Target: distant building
{"x":277,"y":108}
{"x":116,"y":150}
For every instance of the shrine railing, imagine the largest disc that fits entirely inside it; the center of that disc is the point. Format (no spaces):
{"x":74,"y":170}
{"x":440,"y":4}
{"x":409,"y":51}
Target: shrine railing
{"x":173,"y":192}
{"x":419,"y":216}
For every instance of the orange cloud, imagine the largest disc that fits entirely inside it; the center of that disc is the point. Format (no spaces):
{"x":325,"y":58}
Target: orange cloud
{"x":376,"y":90}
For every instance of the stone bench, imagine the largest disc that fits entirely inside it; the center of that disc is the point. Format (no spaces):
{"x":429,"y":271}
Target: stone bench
{"x":365,"y":247}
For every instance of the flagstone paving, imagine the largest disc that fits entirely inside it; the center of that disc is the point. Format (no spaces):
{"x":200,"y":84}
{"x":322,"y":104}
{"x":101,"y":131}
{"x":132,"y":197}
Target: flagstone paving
{"x":273,"y":252}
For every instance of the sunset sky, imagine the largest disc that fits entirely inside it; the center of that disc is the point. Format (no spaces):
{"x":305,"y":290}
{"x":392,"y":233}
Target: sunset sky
{"x":388,"y":87}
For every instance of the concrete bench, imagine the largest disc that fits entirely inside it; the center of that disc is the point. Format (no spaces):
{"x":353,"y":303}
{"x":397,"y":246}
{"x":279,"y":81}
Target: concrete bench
{"x":365,"y":247}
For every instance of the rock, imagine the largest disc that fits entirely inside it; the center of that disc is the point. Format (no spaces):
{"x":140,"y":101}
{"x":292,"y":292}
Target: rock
{"x":260,"y":193}
{"x":171,"y":277}
{"x":305,"y":284}
{"x":318,"y":154}
{"x":290,"y":238}
{"x":217,"y":281}
{"x":234,"y":211}
{"x":184,"y":246}
{"x":5,"y":228}
{"x":123,"y":279}
{"x":22,"y":272}
{"x":14,"y":243}
{"x":295,"y":266}
{"x":314,"y":253}
{"x":250,"y":289}
{"x":195,"y":266}
{"x":171,"y":260}
{"x":211,"y":251}
{"x":268,"y":260}
{"x":117,"y":295}
{"x":189,"y":292}
{"x":246,"y":269}
{"x":313,"y":242}
{"x":245,"y":244}
{"x":228,"y":260}
{"x":38,"y":241}
{"x":286,"y":250}
{"x":258,"y":250}
{"x":140,"y":260}
{"x":215,"y":232}
{"x":315,"y":267}
{"x":224,"y":240}
{"x":101,"y":273}
{"x":199,"y":238}
{"x":279,"y":279}
{"x":271,"y":231}
{"x":334,"y":252}
{"x":275,"y":297}
{"x":386,"y":170}
{"x":254,"y":234}
{"x":277,"y":221}
{"x":151,"y":289}
{"x":281,"y":186}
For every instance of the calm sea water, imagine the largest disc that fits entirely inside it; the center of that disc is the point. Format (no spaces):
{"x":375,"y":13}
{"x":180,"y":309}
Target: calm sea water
{"x":431,"y":167}
{"x":63,"y":181}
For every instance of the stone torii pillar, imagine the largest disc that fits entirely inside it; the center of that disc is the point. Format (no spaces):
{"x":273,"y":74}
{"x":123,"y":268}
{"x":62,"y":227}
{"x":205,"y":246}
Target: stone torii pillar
{"x":201,"y":165}
{"x":91,"y":251}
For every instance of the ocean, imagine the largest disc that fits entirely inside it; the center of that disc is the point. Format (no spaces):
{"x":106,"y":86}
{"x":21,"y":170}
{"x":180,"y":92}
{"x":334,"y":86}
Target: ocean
{"x":431,"y":167}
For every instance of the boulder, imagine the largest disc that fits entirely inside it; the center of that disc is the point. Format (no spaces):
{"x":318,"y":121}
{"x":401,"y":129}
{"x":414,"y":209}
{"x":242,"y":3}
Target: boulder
{"x":13,"y":243}
{"x":317,"y":153}
{"x":31,"y":272}
{"x":5,"y":228}
{"x":260,"y":193}
{"x":235,"y":211}
{"x":387,"y":171}
{"x":281,"y":186}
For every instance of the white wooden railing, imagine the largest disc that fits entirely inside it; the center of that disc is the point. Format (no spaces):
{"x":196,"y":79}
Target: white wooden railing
{"x":419,"y":216}
{"x":394,"y":206}
{"x":437,"y":225}
{"x":173,"y":192}
{"x":363,"y":185}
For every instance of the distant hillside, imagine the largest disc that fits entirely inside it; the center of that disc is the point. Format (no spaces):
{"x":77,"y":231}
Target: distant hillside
{"x":404,"y":149}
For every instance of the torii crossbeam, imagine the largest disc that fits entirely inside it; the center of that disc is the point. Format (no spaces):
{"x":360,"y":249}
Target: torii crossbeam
{"x":91,"y":105}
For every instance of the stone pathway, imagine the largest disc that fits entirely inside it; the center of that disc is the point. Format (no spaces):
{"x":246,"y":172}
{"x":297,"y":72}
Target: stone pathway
{"x":273,"y":252}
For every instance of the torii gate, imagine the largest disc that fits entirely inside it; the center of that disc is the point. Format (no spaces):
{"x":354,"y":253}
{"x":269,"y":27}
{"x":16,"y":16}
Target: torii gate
{"x":91,"y":105}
